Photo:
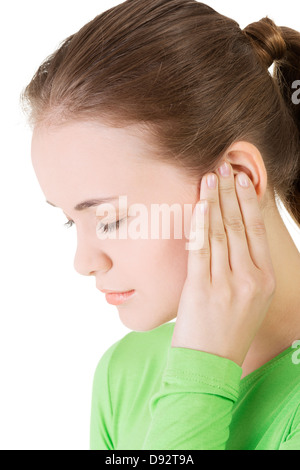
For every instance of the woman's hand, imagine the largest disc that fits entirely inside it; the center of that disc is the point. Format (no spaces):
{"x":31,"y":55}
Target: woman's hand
{"x":230,"y":279}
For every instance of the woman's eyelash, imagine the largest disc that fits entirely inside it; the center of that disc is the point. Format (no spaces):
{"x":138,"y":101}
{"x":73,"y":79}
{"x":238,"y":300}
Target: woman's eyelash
{"x":103,"y":227}
{"x":69,"y":224}
{"x":109,"y":227}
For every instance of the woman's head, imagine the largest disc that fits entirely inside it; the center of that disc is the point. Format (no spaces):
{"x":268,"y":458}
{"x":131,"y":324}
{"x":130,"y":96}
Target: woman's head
{"x":190,"y":83}
{"x":83,"y":161}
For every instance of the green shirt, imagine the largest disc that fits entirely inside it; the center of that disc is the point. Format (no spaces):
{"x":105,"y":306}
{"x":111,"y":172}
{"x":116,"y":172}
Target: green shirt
{"x":148,"y":395}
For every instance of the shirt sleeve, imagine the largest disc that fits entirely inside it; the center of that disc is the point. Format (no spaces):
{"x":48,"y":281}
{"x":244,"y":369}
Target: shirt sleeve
{"x":101,"y":418}
{"x":193,"y":408}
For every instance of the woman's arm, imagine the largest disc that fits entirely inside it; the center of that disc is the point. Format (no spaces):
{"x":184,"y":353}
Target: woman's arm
{"x":230,"y":277}
{"x":229,"y":287}
{"x":193,"y":407}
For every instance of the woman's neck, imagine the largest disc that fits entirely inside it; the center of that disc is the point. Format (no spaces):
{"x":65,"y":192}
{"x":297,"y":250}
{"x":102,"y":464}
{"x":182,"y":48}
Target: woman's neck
{"x":282,"y":322}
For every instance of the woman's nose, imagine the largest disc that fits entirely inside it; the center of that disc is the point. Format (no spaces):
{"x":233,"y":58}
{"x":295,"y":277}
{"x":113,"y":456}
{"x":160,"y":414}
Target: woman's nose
{"x":90,"y":259}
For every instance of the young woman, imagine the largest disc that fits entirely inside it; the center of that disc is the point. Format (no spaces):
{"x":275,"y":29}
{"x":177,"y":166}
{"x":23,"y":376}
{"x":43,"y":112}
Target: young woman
{"x":149,"y":100}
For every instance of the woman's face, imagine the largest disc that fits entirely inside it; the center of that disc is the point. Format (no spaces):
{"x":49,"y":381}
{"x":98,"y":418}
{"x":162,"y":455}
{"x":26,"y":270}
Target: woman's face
{"x":80,"y":161}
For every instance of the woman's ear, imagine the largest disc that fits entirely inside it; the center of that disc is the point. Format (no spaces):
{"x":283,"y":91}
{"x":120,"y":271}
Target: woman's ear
{"x":244,"y":156}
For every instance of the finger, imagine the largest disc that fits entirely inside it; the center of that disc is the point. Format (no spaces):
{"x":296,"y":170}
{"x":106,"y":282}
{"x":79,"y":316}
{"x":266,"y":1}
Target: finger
{"x":198,"y":269}
{"x":217,"y":235}
{"x":255,"y":230}
{"x":238,"y":250}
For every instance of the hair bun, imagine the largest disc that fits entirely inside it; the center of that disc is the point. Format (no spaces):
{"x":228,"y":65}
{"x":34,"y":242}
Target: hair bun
{"x":267,"y":40}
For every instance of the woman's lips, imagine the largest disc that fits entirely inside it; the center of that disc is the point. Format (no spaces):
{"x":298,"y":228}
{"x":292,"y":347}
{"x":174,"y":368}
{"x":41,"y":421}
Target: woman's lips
{"x":117,"y":298}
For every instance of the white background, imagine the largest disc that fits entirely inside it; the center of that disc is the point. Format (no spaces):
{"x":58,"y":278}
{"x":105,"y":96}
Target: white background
{"x":54,"y":324}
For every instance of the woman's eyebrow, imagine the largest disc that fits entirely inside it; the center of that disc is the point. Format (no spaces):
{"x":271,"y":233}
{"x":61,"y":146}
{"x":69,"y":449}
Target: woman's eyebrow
{"x":91,"y":203}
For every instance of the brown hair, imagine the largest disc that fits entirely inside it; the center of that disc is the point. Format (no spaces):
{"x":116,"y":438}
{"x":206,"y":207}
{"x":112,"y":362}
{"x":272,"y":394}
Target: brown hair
{"x":187,"y":74}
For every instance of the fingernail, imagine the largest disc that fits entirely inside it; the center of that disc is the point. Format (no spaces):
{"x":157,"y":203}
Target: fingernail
{"x":224,"y":170}
{"x":211,"y":181}
{"x":243,"y":180}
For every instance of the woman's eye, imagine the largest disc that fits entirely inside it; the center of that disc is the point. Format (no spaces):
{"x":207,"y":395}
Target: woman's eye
{"x":102,"y":227}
